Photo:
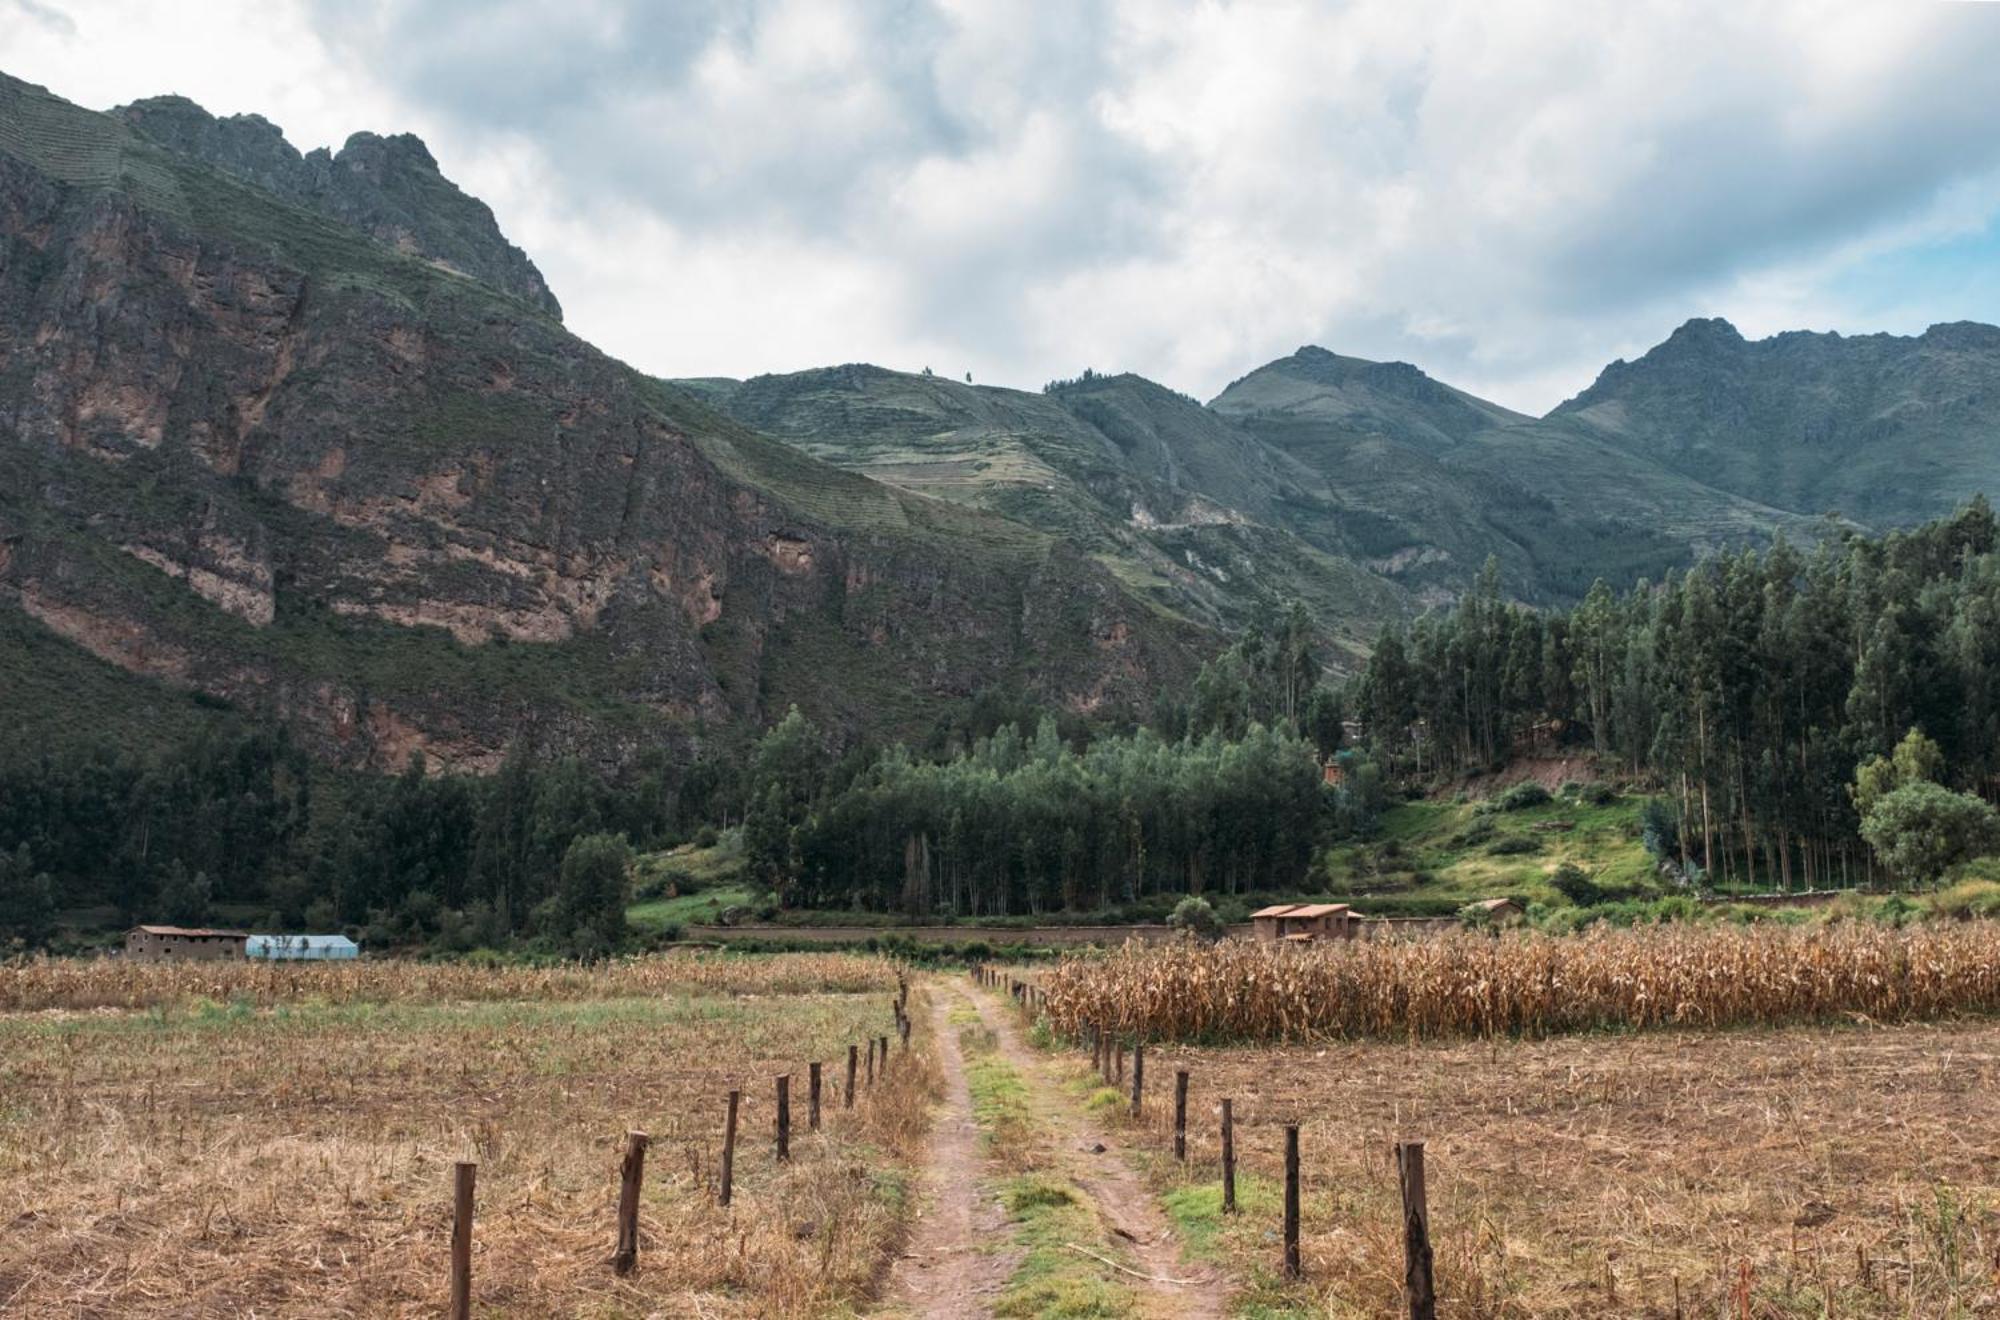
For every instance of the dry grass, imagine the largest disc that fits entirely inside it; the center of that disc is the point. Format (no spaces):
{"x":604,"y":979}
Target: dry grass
{"x":42,"y":983}
{"x":289,"y":1153}
{"x":1804,"y":1172}
{"x":1471,"y":984}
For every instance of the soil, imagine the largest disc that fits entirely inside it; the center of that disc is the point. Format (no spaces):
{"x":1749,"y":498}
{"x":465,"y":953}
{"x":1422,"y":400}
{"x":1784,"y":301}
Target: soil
{"x":948,"y":1271}
{"x":1127,"y":1205}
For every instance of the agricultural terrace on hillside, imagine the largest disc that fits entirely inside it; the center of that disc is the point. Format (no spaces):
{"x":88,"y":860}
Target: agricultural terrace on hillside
{"x":216,"y":1139}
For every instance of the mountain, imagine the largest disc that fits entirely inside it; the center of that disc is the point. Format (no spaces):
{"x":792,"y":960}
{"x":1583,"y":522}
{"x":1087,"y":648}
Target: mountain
{"x":1422,"y":482}
{"x":1176,"y":501}
{"x":1887,"y":430}
{"x":387,"y":187}
{"x":255,"y":452}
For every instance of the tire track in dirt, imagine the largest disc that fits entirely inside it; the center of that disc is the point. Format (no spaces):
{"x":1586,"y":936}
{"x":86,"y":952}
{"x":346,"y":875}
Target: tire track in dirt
{"x":949,"y":1270}
{"x":1127,"y":1205}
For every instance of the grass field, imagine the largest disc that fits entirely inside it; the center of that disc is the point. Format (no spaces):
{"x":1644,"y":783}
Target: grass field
{"x":223,"y":1141}
{"x":1455,"y":852}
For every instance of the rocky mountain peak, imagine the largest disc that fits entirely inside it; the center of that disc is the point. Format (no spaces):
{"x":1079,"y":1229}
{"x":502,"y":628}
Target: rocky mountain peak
{"x":389,"y":187}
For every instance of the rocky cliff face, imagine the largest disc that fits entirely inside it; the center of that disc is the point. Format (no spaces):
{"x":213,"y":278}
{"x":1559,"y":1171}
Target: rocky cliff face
{"x":248,"y":451}
{"x":388,"y":187}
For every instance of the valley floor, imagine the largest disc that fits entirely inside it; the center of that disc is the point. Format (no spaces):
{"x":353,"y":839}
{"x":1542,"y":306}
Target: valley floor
{"x":196,"y":1142}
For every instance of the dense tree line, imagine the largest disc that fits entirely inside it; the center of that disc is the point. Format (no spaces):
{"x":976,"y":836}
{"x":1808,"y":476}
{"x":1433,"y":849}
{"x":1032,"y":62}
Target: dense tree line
{"x":1749,"y":687}
{"x":1220,"y":793}
{"x":240,"y":824}
{"x":1031,"y":824}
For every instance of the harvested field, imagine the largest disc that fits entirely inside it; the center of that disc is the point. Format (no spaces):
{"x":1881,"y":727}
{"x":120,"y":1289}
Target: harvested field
{"x":45,"y":983}
{"x":1811,"y":1171}
{"x":289,"y":1151}
{"x":1532,"y":985}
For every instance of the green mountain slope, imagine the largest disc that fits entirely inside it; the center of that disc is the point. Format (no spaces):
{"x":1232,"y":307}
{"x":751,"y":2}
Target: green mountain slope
{"x":1172,"y":498}
{"x":1885,"y":429}
{"x":252,"y":455}
{"x":1422,"y":482}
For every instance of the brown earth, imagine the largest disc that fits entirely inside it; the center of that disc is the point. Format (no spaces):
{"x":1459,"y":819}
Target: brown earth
{"x":948,"y":1269}
{"x":1174,"y":1286}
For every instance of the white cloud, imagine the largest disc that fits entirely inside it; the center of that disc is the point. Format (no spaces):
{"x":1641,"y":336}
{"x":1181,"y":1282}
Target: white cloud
{"x":1508,"y":195}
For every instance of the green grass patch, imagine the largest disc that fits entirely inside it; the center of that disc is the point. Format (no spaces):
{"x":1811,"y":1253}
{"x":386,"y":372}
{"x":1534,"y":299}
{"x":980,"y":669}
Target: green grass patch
{"x":1246,"y":1238}
{"x":1000,"y":1101}
{"x":1436,"y":856}
{"x":693,"y":909}
{"x":1052,"y":1280}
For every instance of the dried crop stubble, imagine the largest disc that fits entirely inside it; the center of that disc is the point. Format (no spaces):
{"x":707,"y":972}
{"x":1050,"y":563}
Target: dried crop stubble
{"x":1848,"y":1170}
{"x":200,"y":1159}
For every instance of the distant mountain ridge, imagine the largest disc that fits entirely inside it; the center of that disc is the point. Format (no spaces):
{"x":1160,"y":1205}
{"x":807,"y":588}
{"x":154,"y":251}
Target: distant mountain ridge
{"x":1886,"y":429}
{"x":302,"y":433}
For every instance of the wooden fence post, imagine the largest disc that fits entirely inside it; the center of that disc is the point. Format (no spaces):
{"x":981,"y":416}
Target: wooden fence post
{"x":812,"y":1096}
{"x":906,"y":1031}
{"x":1118,"y":1069}
{"x":1138,"y":1075}
{"x":464,"y":1175}
{"x":1228,"y":1159}
{"x":729,"y":1150}
{"x":853,"y":1062}
{"x":1417,"y":1278}
{"x":1292,"y":1201}
{"x":885,"y":1056}
{"x":784,"y":1116}
{"x":632,"y":1174}
{"x":871,"y":1061}
{"x":1180,"y":1114}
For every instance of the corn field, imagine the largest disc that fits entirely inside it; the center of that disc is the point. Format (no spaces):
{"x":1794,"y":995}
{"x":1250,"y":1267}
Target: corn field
{"x":1529,"y":984}
{"x":58,"y":983}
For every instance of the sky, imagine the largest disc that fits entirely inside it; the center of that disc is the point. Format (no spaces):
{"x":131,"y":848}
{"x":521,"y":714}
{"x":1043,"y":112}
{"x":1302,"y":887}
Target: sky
{"x":1509,"y":195}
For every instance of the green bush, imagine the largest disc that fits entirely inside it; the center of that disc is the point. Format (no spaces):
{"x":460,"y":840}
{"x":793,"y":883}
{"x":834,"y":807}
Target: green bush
{"x":1523,"y":795}
{"x":1479,"y":831}
{"x":1193,"y":916}
{"x":1575,"y":884}
{"x":1514,"y":845}
{"x":705,"y":837}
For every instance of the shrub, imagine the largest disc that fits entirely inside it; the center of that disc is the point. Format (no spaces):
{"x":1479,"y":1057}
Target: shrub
{"x":1921,"y":830}
{"x":1968,"y":898}
{"x":1600,"y":794}
{"x":1575,"y":884}
{"x":1523,"y":795}
{"x":1193,"y":916}
{"x":1479,"y":831}
{"x":706,"y":837}
{"x":1514,"y":845}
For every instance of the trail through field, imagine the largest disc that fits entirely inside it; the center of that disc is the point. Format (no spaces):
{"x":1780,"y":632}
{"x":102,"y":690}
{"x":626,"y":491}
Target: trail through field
{"x":950,"y":1268}
{"x":1174,"y":1286}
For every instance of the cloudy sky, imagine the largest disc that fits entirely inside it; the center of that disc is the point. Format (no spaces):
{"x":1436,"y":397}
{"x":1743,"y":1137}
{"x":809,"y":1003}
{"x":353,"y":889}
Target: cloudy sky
{"x":1507,"y":194}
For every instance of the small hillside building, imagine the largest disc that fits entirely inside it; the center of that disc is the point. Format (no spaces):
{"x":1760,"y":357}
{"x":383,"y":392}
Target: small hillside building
{"x":301,"y":948}
{"x":1301,"y":922}
{"x":182,"y":943}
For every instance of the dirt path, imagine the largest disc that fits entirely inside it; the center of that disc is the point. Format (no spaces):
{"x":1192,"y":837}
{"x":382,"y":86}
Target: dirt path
{"x":949,"y":1270}
{"x":1176,"y":1287}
